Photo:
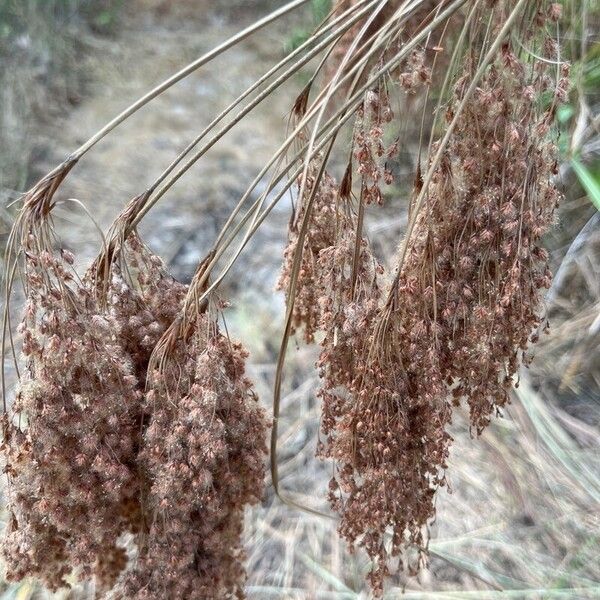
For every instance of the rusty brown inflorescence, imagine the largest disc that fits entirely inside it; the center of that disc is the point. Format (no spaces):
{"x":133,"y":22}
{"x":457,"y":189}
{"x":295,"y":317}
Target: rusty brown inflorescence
{"x":464,"y":305}
{"x":136,"y":440}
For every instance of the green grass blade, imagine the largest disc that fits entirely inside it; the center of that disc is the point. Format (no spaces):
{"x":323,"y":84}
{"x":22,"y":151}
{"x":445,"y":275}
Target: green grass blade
{"x":589,"y":182}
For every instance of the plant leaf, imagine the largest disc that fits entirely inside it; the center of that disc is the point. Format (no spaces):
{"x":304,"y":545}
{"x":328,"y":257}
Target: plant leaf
{"x":588,"y":181}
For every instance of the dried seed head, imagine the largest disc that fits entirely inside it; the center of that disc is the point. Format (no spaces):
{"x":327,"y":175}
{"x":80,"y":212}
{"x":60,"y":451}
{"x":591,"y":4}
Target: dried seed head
{"x":74,"y":472}
{"x":462,"y":309}
{"x":203,"y":455}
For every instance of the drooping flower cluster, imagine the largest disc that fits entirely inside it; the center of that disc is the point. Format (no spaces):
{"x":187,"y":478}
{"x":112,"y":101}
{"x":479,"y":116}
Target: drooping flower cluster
{"x":204,"y":457}
{"x":349,"y":296}
{"x":384,"y":414}
{"x":459,"y":315}
{"x":94,"y":455}
{"x":410,"y":19}
{"x":371,"y":150}
{"x":488,"y":208}
{"x":93,"y":459}
{"x":91,"y":456}
{"x":145,"y":302}
{"x":70,"y":438}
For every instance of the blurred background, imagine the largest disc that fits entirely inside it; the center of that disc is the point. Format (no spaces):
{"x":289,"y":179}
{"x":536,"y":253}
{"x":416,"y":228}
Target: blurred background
{"x":522,"y":519}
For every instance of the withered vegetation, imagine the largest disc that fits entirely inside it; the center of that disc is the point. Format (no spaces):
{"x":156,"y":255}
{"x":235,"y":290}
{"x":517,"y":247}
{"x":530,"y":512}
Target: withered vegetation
{"x":135,"y":440}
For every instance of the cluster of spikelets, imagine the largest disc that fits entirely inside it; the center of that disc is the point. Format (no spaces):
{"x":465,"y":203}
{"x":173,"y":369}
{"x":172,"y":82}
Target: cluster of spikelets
{"x":135,"y":441}
{"x":71,"y":439}
{"x":203,"y":451}
{"x":95,"y":458}
{"x":463,"y":305}
{"x":320,"y":234}
{"x":412,"y":72}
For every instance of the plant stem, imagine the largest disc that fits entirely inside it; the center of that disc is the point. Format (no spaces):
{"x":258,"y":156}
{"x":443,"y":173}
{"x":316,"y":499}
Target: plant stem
{"x":181,"y":74}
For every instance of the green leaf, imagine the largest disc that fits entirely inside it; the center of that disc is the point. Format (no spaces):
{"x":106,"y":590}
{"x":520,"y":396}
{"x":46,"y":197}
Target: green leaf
{"x":104,"y":18}
{"x":590,"y":183}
